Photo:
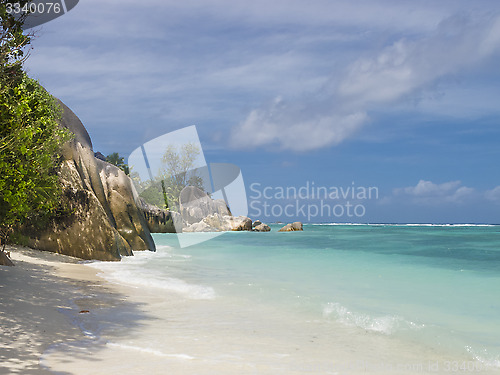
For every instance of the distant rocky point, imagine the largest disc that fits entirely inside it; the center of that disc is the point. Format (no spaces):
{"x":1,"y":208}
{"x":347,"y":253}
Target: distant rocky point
{"x":200,"y":213}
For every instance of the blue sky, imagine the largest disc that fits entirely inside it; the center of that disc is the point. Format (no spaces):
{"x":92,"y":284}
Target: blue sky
{"x":401,"y":95}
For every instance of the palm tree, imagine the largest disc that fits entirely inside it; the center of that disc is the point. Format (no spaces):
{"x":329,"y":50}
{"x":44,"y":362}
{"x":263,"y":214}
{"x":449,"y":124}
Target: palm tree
{"x":115,"y":159}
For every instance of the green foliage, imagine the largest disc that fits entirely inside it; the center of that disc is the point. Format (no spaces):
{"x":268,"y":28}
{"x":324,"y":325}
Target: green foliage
{"x":19,"y":239}
{"x":115,"y":159}
{"x":30,"y":138}
{"x":30,"y":143}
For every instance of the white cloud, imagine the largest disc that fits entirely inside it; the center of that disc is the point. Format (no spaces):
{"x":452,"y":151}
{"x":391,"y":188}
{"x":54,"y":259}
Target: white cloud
{"x":388,"y":76}
{"x":430,"y":193}
{"x":407,"y":65}
{"x":428,"y":188}
{"x":493,"y":194}
{"x":287,"y":128}
{"x":215,"y":62}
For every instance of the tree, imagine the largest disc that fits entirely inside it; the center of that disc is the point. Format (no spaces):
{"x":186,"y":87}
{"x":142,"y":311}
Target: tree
{"x":177,"y":172}
{"x":13,"y":41}
{"x":118,"y":161}
{"x":30,"y":143}
{"x":30,"y":138}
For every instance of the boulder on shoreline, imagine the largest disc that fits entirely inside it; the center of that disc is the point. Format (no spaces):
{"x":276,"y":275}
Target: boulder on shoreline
{"x":219,"y":223}
{"x":240,"y":223}
{"x":296,"y":226}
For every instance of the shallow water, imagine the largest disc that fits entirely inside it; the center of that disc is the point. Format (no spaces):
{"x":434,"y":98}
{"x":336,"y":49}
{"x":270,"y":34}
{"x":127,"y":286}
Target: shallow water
{"x":332,"y":299}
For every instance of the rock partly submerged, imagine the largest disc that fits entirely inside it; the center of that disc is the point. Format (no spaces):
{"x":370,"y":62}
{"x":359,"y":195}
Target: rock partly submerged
{"x":262,"y":228}
{"x":296,"y":226}
{"x":240,"y":223}
{"x":106,"y":222}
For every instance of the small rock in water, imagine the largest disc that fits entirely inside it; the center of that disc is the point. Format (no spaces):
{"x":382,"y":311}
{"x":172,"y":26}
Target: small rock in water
{"x":256,"y":223}
{"x":262,"y":228}
{"x":297,"y":226}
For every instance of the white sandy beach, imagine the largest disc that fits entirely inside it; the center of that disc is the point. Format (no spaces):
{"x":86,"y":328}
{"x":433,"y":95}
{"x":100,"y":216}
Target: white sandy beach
{"x":39,"y":298}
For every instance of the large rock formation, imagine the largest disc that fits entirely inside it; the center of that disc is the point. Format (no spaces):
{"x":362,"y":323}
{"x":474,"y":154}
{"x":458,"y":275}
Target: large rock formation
{"x":106,"y":221}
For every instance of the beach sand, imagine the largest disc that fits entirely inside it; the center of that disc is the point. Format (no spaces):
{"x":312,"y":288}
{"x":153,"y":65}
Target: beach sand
{"x":44,"y":299}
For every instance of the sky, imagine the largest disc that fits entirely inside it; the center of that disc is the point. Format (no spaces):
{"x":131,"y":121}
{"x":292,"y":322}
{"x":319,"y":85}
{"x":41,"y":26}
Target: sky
{"x":401,"y":96}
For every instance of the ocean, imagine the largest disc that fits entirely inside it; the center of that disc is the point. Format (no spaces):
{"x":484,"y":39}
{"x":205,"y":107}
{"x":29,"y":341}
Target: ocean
{"x":333,"y":299}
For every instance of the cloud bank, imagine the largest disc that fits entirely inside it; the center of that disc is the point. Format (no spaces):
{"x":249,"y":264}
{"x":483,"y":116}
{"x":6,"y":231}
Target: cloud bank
{"x":286,"y":75}
{"x":427,"y":192}
{"x":384,"y":77}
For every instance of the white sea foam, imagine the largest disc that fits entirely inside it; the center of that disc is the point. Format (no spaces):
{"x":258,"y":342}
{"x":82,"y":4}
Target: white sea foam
{"x":446,"y":225}
{"x":387,"y":325}
{"x":405,"y":225}
{"x":334,"y":224}
{"x":148,"y":351}
{"x":150,"y":280}
{"x":130,"y":271}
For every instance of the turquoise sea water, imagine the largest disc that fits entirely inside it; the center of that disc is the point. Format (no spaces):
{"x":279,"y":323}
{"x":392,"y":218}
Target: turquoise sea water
{"x":389,"y":295}
{"x":437,"y":284}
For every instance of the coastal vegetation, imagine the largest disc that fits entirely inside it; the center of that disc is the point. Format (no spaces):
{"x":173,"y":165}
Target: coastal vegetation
{"x":30,"y":138}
